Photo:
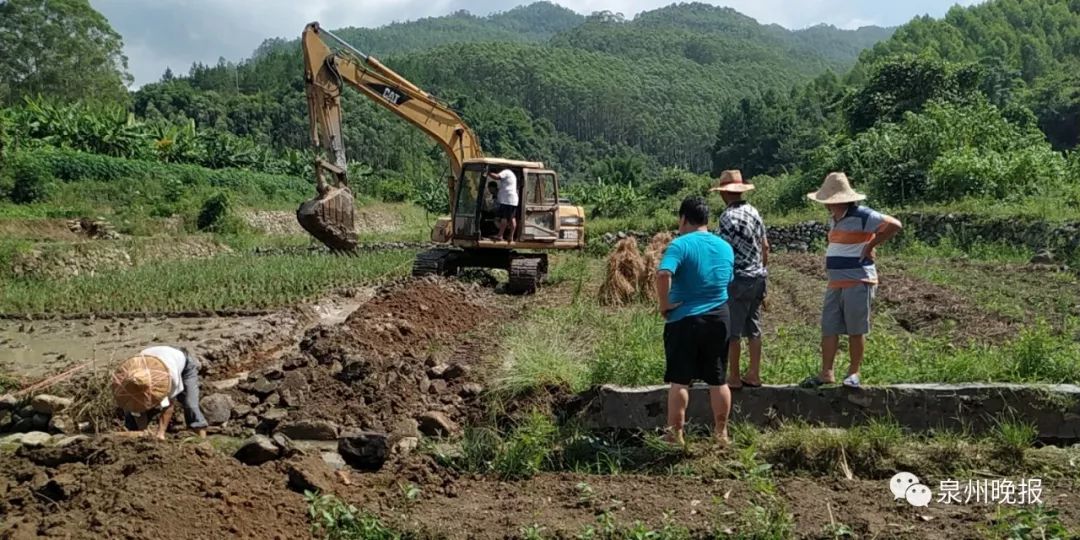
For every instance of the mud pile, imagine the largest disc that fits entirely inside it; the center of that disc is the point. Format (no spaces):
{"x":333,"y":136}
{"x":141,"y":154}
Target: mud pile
{"x":115,"y":488}
{"x":411,"y":353}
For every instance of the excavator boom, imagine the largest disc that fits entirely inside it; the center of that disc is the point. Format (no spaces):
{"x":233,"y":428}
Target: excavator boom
{"x":330,"y":216}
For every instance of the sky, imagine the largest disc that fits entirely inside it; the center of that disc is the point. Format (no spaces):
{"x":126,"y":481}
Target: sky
{"x":175,"y":33}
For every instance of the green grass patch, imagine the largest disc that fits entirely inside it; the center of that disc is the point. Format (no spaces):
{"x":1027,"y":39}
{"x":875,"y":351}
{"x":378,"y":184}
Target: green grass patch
{"x":221,"y":283}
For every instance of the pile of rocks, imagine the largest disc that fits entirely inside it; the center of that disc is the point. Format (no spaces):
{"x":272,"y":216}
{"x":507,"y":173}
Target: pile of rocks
{"x":98,"y":228}
{"x":799,"y":237}
{"x":41,"y":413}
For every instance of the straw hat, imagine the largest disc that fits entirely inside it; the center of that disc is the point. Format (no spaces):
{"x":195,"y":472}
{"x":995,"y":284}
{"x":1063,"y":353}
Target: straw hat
{"x":732,"y":182}
{"x":141,"y":383}
{"x":836,"y":190}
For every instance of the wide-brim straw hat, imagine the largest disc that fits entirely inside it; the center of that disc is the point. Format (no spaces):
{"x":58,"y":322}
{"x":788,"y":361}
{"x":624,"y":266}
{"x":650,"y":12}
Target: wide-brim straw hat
{"x":732,"y":182}
{"x":141,"y":383}
{"x":836,"y":190}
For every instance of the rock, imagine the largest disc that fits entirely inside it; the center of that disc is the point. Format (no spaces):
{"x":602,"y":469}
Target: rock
{"x":274,"y":373}
{"x":61,"y":487}
{"x":226,"y":384}
{"x":333,"y":459}
{"x":217,"y":408}
{"x":49,"y":405}
{"x":261,"y":386}
{"x":14,"y":438}
{"x":285,"y":445}
{"x":1043,"y":257}
{"x":407,"y":427}
{"x":35,"y":439}
{"x":251,"y":421}
{"x":436,"y":424}
{"x":437,"y":371}
{"x":70,"y":440}
{"x":406,"y":445}
{"x":355,"y":370}
{"x":311,"y":430}
{"x":241,"y":410}
{"x":253,"y":400}
{"x":290,"y":398}
{"x":294,"y":362}
{"x":24,"y":425}
{"x":8,"y":403}
{"x":456,"y":371}
{"x":438,"y":386}
{"x":273,"y":400}
{"x":364,"y":450}
{"x":434,"y":359}
{"x":62,"y":423}
{"x":471,"y":390}
{"x":275,"y":415}
{"x":309,"y":475}
{"x":40,"y":421}
{"x":294,"y":381}
{"x":335,"y":368}
{"x":257,"y":450}
{"x":5,"y":420}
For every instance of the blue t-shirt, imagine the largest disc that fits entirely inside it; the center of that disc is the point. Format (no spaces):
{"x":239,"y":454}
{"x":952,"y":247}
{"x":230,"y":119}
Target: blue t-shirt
{"x":701,"y":265}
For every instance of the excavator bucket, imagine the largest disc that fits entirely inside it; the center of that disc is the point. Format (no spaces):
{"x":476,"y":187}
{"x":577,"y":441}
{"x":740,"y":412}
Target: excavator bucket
{"x":331,"y":218}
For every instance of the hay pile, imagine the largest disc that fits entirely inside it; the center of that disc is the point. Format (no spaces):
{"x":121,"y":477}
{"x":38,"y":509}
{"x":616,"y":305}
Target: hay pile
{"x":624,"y":272}
{"x":653,"y":254}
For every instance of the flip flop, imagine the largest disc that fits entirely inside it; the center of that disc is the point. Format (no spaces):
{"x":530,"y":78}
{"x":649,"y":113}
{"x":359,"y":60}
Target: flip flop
{"x":749,"y":385}
{"x":813,"y":382}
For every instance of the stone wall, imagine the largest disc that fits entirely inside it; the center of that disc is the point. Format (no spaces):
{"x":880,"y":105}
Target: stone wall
{"x":1053,"y":409}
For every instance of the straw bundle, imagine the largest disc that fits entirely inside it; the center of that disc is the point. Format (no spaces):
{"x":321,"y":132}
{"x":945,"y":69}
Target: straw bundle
{"x":624,"y":271}
{"x":653,"y":254}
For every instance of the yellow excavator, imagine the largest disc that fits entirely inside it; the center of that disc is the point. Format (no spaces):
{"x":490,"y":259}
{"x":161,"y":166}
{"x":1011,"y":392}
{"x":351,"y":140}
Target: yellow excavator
{"x":545,"y":221}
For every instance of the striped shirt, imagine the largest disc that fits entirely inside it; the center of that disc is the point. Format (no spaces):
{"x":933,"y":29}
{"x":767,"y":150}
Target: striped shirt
{"x":848,"y":238}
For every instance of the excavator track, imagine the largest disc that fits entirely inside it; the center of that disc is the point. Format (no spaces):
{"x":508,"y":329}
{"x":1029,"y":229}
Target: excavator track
{"x":526,"y":273}
{"x":436,"y":262}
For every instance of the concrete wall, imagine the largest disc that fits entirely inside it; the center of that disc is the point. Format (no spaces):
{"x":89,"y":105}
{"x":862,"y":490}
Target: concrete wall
{"x":1054,"y":409}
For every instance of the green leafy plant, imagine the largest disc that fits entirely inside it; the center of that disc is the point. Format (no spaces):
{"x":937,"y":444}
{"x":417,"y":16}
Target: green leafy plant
{"x":333,"y":519}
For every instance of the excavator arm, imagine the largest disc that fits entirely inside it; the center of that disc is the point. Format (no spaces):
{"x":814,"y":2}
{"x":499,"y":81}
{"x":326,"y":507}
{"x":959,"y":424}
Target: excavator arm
{"x":330,"y":216}
{"x":326,"y":72}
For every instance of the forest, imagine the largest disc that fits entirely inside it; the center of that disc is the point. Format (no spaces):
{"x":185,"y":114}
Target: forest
{"x":983,"y":104}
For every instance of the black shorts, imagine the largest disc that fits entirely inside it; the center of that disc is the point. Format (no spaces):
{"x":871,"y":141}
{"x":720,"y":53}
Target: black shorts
{"x":506,"y":211}
{"x":696,"y":348}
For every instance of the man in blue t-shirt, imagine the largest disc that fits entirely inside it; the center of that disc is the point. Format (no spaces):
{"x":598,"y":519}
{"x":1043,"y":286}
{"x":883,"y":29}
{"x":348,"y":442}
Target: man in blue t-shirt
{"x":692,"y":285}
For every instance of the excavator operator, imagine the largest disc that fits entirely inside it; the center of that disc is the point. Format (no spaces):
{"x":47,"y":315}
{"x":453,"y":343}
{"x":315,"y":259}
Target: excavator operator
{"x":508,"y":203}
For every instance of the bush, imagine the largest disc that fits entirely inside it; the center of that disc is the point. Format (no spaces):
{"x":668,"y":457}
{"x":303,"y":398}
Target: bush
{"x":31,"y":180}
{"x":215,"y":213}
{"x":395,"y":189}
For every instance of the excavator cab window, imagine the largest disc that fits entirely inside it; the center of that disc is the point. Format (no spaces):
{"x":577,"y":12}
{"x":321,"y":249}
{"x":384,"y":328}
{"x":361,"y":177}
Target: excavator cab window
{"x":540,"y":201}
{"x":466,"y":207}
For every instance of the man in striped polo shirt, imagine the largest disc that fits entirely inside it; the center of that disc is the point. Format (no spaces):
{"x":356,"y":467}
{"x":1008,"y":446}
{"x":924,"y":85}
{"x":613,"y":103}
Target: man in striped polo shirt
{"x":854,"y":233}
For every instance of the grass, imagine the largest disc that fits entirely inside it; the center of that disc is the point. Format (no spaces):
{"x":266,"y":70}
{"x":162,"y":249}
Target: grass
{"x":221,"y":283}
{"x":332,"y":519}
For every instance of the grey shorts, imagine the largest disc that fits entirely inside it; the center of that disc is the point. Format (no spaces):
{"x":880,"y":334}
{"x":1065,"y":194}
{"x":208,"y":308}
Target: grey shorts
{"x":744,"y":302}
{"x":847,"y":311}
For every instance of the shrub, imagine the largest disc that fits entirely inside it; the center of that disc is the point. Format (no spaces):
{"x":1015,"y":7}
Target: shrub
{"x":31,"y":180}
{"x":395,"y":189}
{"x":215,"y":213}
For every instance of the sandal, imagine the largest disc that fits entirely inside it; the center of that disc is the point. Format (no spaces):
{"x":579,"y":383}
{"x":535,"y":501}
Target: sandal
{"x":749,"y":385}
{"x":853,"y":381}
{"x":813,"y":382}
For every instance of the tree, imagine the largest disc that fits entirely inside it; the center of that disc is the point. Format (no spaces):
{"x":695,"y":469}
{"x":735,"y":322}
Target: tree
{"x":62,"y":48}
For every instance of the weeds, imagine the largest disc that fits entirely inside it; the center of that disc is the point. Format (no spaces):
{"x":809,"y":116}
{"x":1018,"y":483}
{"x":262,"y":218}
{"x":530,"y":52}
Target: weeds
{"x":1011,"y":439}
{"x":1024,"y":524}
{"x":332,"y":519}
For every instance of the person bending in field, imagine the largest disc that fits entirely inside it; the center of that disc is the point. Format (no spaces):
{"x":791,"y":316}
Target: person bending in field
{"x":508,"y":203}
{"x":691,"y":285}
{"x":151,"y":382}
{"x":742,"y":227}
{"x":854,"y":233}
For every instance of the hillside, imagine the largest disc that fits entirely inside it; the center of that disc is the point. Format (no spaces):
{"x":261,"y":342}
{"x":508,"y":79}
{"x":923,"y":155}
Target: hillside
{"x":537,"y":81}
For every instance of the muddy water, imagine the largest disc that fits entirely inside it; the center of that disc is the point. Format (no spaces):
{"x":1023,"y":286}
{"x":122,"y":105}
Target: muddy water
{"x":31,"y":350}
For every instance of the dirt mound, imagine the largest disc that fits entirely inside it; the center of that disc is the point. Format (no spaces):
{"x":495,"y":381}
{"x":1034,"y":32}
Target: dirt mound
{"x":113,"y":488}
{"x":923,"y":307}
{"x":284,"y":223}
{"x":417,"y":347}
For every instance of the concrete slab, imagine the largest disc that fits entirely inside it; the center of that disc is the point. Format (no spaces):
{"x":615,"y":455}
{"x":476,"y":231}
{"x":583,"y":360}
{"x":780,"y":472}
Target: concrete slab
{"x":1053,"y":409}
